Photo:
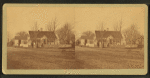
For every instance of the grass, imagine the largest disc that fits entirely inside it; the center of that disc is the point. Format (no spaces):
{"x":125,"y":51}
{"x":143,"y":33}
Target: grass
{"x":110,"y":58}
{"x":74,"y":58}
{"x":41,"y":58}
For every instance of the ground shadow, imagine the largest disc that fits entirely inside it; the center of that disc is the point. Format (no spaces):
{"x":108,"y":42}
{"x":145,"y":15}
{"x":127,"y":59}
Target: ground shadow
{"x":66,"y":48}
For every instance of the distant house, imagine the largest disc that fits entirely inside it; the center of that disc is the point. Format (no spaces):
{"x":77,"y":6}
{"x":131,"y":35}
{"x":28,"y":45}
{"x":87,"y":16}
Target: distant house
{"x":43,"y":38}
{"x":21,"y":41}
{"x":108,"y":38}
{"x":87,"y":41}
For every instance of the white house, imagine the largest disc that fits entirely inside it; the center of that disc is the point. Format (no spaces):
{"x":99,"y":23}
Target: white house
{"x":21,"y":41}
{"x":87,"y":41}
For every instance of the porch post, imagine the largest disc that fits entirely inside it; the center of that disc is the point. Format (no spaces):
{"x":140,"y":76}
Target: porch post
{"x":46,"y":40}
{"x":120,"y":41}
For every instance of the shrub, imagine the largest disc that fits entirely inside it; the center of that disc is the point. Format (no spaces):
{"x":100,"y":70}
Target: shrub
{"x":11,"y":43}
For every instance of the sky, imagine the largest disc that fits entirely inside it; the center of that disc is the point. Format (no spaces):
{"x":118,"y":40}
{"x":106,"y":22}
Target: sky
{"x":83,"y":18}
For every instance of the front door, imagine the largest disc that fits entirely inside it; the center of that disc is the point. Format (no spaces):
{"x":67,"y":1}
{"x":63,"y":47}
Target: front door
{"x":110,"y":41}
{"x":44,"y":41}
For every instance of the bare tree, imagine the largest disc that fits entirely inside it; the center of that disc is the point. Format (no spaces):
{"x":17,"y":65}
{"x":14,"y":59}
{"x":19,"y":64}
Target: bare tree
{"x":55,"y":24}
{"x":22,"y":34}
{"x":52,"y":25}
{"x":101,"y":27}
{"x":66,"y":33}
{"x":8,"y":36}
{"x":118,"y":26}
{"x":49,"y":26}
{"x":88,"y":34}
{"x":35,"y":27}
{"x":9,"y":40}
{"x":131,"y":34}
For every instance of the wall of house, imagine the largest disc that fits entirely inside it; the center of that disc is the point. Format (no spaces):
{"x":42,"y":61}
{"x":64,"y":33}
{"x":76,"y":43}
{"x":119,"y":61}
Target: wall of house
{"x":123,"y":42}
{"x":29,"y":42}
{"x":109,"y":38}
{"x":95,"y":43}
{"x":57,"y":42}
{"x":90,"y":43}
{"x":24,"y":43}
{"x":109,"y":42}
{"x":16,"y":42}
{"x":82,"y":41}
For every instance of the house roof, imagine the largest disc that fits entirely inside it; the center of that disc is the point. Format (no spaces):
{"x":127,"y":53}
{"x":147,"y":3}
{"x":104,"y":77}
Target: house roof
{"x":40,"y":34}
{"x":105,"y":34}
{"x":20,"y":38}
{"x":86,"y":37}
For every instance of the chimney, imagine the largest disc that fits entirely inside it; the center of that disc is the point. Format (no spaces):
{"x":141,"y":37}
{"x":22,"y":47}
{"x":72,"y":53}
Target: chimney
{"x":41,"y":29}
{"x":107,"y":29}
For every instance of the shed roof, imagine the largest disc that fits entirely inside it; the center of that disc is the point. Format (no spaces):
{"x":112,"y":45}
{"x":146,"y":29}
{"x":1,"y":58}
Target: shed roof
{"x":20,"y":37}
{"x":87,"y":37}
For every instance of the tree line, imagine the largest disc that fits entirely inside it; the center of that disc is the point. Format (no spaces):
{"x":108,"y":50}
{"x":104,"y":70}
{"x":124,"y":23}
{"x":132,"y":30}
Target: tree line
{"x":131,"y":34}
{"x":65,"y":33}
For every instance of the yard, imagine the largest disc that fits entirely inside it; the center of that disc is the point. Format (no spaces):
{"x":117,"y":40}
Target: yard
{"x":82,"y":58}
{"x":40,"y":58}
{"x":109,"y":58}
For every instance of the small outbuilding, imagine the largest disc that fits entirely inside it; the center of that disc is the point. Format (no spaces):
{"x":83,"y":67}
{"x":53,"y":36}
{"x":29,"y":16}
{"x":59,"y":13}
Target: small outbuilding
{"x":21,"y":41}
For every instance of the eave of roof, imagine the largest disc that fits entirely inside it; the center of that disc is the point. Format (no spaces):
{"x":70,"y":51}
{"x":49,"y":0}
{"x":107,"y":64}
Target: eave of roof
{"x":40,"y":34}
{"x":20,"y":38}
{"x":105,"y":34}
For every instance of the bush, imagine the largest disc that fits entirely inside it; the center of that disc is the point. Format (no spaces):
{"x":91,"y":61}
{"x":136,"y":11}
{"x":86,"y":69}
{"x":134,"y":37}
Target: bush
{"x":140,"y":46}
{"x":11,"y":43}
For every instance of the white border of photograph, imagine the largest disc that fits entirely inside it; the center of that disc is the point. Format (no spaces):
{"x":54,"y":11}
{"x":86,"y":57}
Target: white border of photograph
{"x":73,"y":71}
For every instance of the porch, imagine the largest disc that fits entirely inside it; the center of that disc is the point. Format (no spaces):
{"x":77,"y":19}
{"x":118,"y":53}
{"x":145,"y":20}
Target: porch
{"x":43,"y":43}
{"x":105,"y":42}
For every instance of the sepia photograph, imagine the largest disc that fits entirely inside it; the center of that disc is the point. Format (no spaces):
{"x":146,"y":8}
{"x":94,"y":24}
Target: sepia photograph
{"x":110,"y":38}
{"x":40,"y":38}
{"x":75,"y":39}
